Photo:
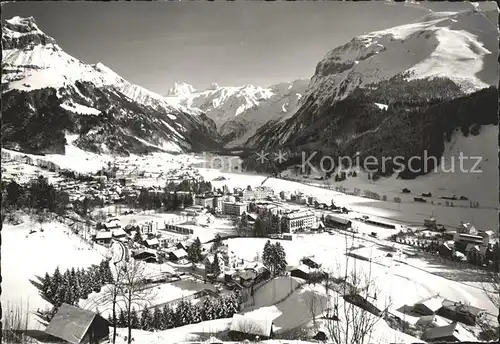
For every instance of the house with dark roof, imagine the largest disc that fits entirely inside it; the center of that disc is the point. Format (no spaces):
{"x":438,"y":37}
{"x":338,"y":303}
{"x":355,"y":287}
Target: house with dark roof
{"x":310,"y":262}
{"x":149,"y":256}
{"x":458,"y":311}
{"x":104,"y":238}
{"x":77,"y":326}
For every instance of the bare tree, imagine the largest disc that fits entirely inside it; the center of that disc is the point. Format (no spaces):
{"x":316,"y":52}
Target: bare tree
{"x":492,"y":290}
{"x":351,"y":318}
{"x":248,"y":326}
{"x":111,"y":293}
{"x":132,"y":288}
{"x":315,"y":305}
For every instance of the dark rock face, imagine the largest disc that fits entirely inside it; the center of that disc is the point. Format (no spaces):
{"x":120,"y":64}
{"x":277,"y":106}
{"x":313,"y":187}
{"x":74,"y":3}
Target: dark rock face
{"x":35,"y":122}
{"x":39,"y":120}
{"x":27,"y":35}
{"x":421,"y":114}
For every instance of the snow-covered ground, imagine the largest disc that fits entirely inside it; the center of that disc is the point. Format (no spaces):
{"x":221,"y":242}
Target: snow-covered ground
{"x":156,"y":295}
{"x":28,"y":256}
{"x":297,"y":310}
{"x":22,"y":173}
{"x":398,"y":283}
{"x":176,"y":335}
{"x":478,"y":187}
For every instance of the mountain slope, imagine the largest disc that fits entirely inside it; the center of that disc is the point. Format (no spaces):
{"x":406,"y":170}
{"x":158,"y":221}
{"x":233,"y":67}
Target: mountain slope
{"x":414,"y":95}
{"x":48,"y":94}
{"x":239,"y":111}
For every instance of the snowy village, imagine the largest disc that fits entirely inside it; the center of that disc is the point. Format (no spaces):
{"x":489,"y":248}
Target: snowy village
{"x":193,"y":217}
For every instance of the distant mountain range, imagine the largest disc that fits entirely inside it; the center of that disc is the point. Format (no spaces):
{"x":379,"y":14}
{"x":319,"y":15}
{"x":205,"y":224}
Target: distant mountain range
{"x":239,"y":111}
{"x":395,"y":92}
{"x":398,"y":91}
{"x":48,"y":95}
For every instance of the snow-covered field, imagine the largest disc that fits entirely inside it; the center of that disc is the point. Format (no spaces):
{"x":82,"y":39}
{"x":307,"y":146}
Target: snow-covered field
{"x":297,"y":310}
{"x":440,"y":184}
{"x":398,"y":283}
{"x":480,"y":187}
{"x":22,"y":173}
{"x":28,"y":256}
{"x":176,"y":335}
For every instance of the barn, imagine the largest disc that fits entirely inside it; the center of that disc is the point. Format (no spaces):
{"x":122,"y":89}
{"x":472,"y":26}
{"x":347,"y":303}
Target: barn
{"x":78,"y":326}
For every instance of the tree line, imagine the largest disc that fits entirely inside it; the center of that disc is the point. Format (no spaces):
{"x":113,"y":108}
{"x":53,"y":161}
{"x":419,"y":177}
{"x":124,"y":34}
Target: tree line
{"x":38,"y":195}
{"x":167,"y":200}
{"x":184,"y":313}
{"x":74,"y":284}
{"x":193,"y":186}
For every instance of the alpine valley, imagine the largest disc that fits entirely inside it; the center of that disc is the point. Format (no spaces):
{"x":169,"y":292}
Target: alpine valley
{"x":221,"y":214}
{"x":48,"y":97}
{"x":398,"y":91}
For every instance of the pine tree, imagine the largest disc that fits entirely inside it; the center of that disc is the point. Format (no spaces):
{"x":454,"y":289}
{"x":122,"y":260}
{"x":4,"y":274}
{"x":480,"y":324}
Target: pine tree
{"x":122,"y":319}
{"x":215,"y":266}
{"x":194,"y":251}
{"x":105,"y":271}
{"x":146,"y":319}
{"x":280,"y":262}
{"x":216,"y":243}
{"x":208,"y":308}
{"x":232,"y":305}
{"x":46,"y":286}
{"x":168,"y":317}
{"x":196,"y":314}
{"x":267,"y":254}
{"x":134,"y":319}
{"x":58,"y":298}
{"x":156,"y":323}
{"x":86,"y":284}
{"x":219,"y":308}
{"x":183,"y":313}
{"x":56,"y":280}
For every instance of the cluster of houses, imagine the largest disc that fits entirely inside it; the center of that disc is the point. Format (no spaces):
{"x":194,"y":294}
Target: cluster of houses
{"x":443,"y":319}
{"x":467,"y":243}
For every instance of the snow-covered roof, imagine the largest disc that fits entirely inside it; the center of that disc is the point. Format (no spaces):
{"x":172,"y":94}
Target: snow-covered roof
{"x":433,"y":303}
{"x":452,"y":330}
{"x":153,"y":241}
{"x":213,"y":340}
{"x":251,"y":325}
{"x":118,"y":232}
{"x":303,"y":268}
{"x":71,"y":323}
{"x":461,"y":307}
{"x":299,"y":214}
{"x":382,"y":106}
{"x":180,"y":253}
{"x":103,"y":235}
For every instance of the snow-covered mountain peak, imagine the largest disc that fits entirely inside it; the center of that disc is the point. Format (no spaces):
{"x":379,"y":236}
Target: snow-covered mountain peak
{"x":23,"y":33}
{"x":445,"y":44}
{"x":22,"y":25}
{"x":32,"y":63}
{"x":181,"y":90}
{"x":214,"y":86}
